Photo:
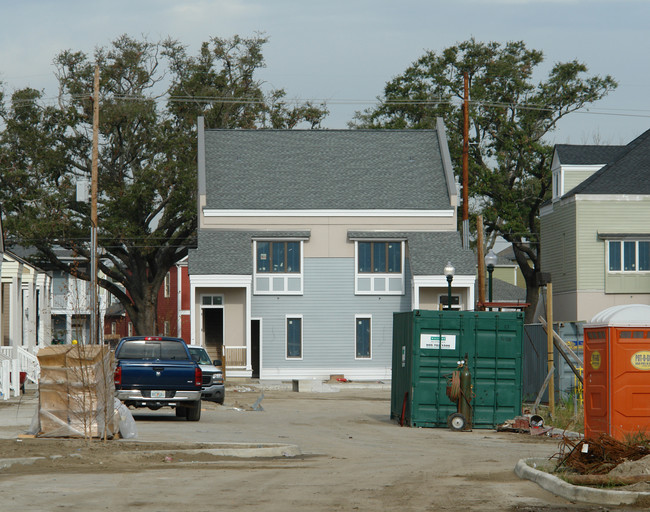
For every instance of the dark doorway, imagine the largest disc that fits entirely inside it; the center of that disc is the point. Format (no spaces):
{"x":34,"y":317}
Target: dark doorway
{"x":213,"y":330}
{"x":255,"y":348}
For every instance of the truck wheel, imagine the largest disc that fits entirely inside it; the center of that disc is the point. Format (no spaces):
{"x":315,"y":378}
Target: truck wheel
{"x":194,"y":411}
{"x":181,"y":412}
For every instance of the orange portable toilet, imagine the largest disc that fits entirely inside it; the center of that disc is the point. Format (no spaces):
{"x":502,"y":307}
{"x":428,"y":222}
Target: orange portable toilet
{"x":617,"y":372}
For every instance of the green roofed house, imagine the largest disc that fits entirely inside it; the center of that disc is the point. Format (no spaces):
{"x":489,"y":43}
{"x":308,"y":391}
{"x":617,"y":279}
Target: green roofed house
{"x":310,"y":240}
{"x":595,"y":233}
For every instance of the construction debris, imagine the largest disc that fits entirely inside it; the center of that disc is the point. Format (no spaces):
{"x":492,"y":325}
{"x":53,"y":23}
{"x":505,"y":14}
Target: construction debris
{"x":597,"y":456}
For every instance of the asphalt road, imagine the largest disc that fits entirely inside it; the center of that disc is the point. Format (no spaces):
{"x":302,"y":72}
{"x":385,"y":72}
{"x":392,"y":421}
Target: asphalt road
{"x":353,"y":458}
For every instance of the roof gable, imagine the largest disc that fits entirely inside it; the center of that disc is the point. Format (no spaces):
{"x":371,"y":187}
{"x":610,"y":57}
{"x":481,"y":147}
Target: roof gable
{"x":628,"y":173}
{"x":325,"y":169}
{"x":572,"y":154}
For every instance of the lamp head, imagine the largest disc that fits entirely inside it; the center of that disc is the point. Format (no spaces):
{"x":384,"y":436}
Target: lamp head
{"x":449,"y":271}
{"x":490,"y":260}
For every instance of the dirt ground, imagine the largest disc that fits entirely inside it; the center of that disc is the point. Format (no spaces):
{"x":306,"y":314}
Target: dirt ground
{"x":353,"y":458}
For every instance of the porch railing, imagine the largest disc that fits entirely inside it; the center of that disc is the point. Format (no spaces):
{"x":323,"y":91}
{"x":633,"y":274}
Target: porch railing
{"x":235,"y":357}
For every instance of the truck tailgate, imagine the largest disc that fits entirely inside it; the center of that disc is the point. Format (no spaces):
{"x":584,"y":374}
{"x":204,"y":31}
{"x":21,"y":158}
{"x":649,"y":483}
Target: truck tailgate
{"x":159,"y":374}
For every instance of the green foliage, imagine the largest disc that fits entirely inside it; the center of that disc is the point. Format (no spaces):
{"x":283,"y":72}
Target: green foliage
{"x":509,"y":161}
{"x":147,"y":154}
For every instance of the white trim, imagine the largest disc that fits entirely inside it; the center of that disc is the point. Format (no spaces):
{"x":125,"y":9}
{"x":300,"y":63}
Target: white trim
{"x":619,"y":198}
{"x":286,"y":341}
{"x":466,"y":282}
{"x":356,"y":318}
{"x":220,"y":280}
{"x":370,"y":373}
{"x":212,"y":212}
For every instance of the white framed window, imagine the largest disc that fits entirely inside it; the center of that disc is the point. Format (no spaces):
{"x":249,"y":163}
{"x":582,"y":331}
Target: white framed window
{"x":293,"y":336}
{"x":278,"y":267}
{"x":113,"y":327}
{"x":166,"y":328}
{"x":628,"y":255}
{"x":167,"y":285}
{"x":129,"y":329}
{"x":363,"y":336}
{"x":379,"y":267}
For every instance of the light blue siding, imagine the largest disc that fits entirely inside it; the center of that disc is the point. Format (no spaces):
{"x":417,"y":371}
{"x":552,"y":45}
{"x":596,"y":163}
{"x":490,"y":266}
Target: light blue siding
{"x":328,"y":307}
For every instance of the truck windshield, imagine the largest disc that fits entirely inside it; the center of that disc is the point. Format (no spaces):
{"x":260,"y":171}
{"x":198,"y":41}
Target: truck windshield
{"x":151,"y":349}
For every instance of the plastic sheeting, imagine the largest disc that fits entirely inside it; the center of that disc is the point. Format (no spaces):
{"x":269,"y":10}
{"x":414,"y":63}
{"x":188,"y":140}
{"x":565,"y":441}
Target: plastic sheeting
{"x":76,"y":392}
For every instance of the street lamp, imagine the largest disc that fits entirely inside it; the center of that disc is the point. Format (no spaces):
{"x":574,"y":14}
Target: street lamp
{"x":449,"y":274}
{"x":490,"y":262}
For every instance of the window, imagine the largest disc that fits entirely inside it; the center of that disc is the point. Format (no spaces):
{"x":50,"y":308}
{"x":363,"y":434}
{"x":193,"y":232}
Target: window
{"x":166,"y":328}
{"x":167,"y":285}
{"x":278,"y":267}
{"x":379,"y":268}
{"x":628,"y":256}
{"x":113,"y":327}
{"x":129,"y":329}
{"x":363,"y":337}
{"x":278,"y":257}
{"x":294,"y":337}
{"x":380,"y":257}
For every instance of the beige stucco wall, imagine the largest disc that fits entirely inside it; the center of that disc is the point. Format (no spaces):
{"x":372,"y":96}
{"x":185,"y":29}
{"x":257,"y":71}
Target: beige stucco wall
{"x":430,"y":297}
{"x":234,"y":305}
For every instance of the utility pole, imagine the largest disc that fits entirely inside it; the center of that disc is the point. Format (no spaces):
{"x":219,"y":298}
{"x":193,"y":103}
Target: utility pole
{"x":94,"y":328}
{"x":466,"y":162}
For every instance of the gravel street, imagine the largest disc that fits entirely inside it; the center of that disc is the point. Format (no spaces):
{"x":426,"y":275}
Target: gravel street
{"x":353,"y":458}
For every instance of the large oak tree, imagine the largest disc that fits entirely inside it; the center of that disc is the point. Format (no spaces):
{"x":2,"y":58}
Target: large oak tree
{"x":510,"y":115}
{"x":150,"y":96}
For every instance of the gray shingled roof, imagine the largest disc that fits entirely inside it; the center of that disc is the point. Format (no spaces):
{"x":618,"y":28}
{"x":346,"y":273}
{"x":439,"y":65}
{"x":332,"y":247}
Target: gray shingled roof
{"x":628,"y":174}
{"x":430,"y":251}
{"x":230,"y":252}
{"x":503,"y":291}
{"x":324,"y":169}
{"x":573,"y":154}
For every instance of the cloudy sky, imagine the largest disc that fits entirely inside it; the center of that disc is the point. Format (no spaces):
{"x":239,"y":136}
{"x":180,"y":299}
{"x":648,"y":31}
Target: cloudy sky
{"x":344,"y":51}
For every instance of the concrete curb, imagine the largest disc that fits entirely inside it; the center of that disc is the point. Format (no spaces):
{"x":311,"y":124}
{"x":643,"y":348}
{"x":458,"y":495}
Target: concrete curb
{"x":525,"y":469}
{"x":242,"y":450}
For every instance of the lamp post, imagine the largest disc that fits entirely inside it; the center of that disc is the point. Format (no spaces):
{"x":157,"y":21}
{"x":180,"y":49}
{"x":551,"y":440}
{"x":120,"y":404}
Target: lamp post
{"x":449,"y":274}
{"x":490,"y":262}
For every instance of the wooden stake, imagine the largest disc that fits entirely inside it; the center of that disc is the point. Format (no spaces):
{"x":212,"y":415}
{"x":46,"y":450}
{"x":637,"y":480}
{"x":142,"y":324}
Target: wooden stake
{"x":481,"y":261}
{"x":549,"y":340}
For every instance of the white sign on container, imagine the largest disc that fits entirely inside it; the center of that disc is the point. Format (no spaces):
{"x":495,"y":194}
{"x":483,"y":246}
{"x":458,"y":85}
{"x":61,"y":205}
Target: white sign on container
{"x":441,"y":341}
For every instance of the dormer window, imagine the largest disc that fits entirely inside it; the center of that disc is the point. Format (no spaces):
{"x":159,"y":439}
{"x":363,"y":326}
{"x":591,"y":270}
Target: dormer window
{"x":379,"y":267}
{"x":278,"y":267}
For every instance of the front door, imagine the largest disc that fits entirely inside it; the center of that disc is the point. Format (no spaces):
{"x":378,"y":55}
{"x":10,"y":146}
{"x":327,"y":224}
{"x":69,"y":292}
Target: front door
{"x":213,"y":331}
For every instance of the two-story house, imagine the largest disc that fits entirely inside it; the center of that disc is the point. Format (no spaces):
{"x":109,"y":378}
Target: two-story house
{"x":310,"y":240}
{"x":594,"y":232}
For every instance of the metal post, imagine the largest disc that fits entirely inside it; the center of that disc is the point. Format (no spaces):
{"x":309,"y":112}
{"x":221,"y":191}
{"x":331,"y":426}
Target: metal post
{"x":449,"y":279}
{"x":490,"y":269}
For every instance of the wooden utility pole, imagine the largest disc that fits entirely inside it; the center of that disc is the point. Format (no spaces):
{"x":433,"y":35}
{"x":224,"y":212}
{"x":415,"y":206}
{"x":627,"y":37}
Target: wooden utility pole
{"x":466,"y":162}
{"x":481,"y":260}
{"x":549,"y":344}
{"x":94,"y":327}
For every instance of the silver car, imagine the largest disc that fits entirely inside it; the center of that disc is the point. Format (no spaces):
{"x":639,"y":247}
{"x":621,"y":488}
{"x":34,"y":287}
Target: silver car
{"x":212,"y":388}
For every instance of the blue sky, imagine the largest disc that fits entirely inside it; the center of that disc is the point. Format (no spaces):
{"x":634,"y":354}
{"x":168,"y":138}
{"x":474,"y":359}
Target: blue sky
{"x":345,"y":51}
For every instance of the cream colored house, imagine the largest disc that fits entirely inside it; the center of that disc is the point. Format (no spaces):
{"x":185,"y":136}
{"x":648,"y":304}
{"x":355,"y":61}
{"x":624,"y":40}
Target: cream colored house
{"x":595,"y":233}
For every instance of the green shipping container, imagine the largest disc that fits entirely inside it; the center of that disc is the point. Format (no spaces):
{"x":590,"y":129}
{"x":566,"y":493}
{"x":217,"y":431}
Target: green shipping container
{"x":427,"y":346}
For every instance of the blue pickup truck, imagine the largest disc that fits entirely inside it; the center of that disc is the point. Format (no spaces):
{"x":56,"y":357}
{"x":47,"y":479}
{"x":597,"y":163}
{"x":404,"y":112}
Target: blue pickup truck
{"x":158,"y":371}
